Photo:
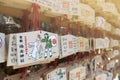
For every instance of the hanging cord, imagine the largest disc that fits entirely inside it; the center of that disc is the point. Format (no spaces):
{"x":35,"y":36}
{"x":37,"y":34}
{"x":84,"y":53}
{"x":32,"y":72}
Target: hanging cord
{"x":35,"y":17}
{"x":60,"y":25}
{"x":78,"y":29}
{"x":25,"y":25}
{"x":25,"y":19}
{"x":68,"y":26}
{"x":59,"y":18}
{"x":66,"y":20}
{"x":35,"y":24}
{"x":24,"y":73}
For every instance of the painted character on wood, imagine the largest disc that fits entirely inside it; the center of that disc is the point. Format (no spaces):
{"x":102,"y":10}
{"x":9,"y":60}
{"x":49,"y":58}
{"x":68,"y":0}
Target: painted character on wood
{"x":61,"y":74}
{"x":50,"y":42}
{"x":36,"y":48}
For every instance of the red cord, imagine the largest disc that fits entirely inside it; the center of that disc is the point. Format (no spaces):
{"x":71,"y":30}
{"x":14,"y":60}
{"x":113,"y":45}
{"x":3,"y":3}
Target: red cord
{"x":65,"y":19}
{"x":24,"y":73}
{"x":25,"y":19}
{"x":35,"y":17}
{"x":68,"y":24}
{"x":55,"y":63}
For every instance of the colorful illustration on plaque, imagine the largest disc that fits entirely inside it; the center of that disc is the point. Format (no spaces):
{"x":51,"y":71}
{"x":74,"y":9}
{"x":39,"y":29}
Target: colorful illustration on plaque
{"x":50,"y":41}
{"x":36,"y":48}
{"x":61,"y":73}
{"x":1,"y":42}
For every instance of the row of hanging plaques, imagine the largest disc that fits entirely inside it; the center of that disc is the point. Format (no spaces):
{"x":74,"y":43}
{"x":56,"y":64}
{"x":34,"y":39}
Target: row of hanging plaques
{"x":38,"y":47}
{"x":63,"y":72}
{"x":77,"y":71}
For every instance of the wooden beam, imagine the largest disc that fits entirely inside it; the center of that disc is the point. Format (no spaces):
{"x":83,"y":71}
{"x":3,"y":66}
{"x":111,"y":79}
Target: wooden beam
{"x":20,"y":4}
{"x":19,"y":12}
{"x":11,"y":11}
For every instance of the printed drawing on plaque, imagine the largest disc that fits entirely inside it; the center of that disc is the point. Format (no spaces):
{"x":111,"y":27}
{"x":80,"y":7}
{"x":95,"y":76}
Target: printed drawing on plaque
{"x":36,"y":46}
{"x":2,"y":47}
{"x":51,"y":75}
{"x":12,"y":50}
{"x":57,"y":74}
{"x":61,"y":74}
